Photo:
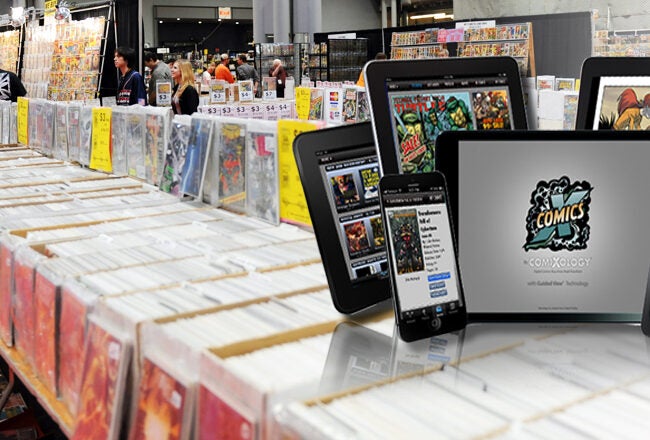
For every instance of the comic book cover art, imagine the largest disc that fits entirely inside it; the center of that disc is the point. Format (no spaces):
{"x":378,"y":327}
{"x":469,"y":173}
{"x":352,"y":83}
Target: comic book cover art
{"x":405,"y":235}
{"x":316,"y":105}
{"x":344,"y":189}
{"x":175,"y":156}
{"x":45,"y":299}
{"x":363,"y":110}
{"x":232,"y":166}
{"x":570,"y":111}
{"x":118,"y":141}
{"x":60,"y":132}
{"x":262,"y":174}
{"x":197,"y":154}
{"x":72,"y":331}
{"x":349,"y":104}
{"x":74,"y":133}
{"x":356,"y":236}
{"x":103,"y":383}
{"x":218,"y":420}
{"x":160,"y":407}
{"x":377,"y":226}
{"x":419,"y":120}
{"x":6,"y":276}
{"x":491,"y":110}
{"x":625,"y":108}
{"x":135,"y":144}
{"x":85,"y":134}
{"x":154,"y":144}
{"x":370,"y":182}
{"x":47,"y":133}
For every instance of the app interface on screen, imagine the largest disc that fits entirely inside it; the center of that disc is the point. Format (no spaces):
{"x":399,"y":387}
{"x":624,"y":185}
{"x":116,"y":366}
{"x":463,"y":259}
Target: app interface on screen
{"x":422,"y":250}
{"x":423,"y":109}
{"x":352,"y":183}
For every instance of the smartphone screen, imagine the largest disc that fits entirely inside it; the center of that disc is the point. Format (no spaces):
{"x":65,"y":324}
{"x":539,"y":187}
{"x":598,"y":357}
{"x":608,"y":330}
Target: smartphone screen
{"x":425,"y":277}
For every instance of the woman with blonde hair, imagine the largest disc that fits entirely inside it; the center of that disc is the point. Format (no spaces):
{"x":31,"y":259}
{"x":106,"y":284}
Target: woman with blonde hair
{"x":185,"y":98}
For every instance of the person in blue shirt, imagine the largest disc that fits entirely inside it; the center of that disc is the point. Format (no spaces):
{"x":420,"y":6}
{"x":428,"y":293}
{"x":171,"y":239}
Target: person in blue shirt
{"x":131,"y":89}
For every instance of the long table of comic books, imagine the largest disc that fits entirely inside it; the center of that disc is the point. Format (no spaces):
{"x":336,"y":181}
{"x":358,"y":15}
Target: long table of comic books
{"x":172,"y":299}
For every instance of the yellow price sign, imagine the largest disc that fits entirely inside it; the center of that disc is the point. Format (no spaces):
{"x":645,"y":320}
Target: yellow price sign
{"x":22,"y":118}
{"x":100,"y":154}
{"x":303,"y":100}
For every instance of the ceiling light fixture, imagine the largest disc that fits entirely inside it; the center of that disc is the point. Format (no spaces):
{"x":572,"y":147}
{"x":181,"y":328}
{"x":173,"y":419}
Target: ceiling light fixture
{"x":436,"y":16}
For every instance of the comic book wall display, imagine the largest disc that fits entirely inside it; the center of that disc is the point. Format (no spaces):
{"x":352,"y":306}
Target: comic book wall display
{"x":37,"y":58}
{"x":119,"y":141}
{"x":262,"y":172}
{"x":76,"y":60}
{"x":9,"y":45}
{"x":135,"y":140}
{"x":175,"y":155}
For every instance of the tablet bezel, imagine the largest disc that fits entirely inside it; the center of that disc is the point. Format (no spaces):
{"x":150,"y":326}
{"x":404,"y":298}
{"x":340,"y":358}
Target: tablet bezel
{"x":595,"y":68}
{"x":447,"y":153}
{"x":348,"y":296}
{"x":378,"y":71}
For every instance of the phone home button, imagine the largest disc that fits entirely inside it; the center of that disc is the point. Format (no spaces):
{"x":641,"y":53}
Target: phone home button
{"x":436,"y":323}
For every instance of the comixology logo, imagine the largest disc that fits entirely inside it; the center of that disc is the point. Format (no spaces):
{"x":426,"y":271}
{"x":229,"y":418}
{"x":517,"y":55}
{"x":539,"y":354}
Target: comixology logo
{"x":559,"y":216}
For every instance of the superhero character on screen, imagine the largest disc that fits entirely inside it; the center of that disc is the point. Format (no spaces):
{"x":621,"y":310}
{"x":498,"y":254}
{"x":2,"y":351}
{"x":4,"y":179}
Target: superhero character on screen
{"x":408,"y":254}
{"x":417,"y":155}
{"x":631,"y":111}
{"x":457,"y":115}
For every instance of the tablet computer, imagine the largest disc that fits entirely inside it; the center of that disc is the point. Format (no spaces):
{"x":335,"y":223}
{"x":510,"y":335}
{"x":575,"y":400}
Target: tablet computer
{"x":614,"y":94}
{"x":339,"y":171}
{"x":413,"y":101}
{"x":550,"y":226}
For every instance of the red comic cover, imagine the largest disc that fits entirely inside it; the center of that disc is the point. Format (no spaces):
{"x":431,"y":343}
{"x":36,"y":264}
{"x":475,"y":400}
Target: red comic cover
{"x":72,"y":329}
{"x":24,"y":309}
{"x":161,"y":405}
{"x":102,"y":388}
{"x":218,"y":420}
{"x":6,"y":275}
{"x":45,"y":293}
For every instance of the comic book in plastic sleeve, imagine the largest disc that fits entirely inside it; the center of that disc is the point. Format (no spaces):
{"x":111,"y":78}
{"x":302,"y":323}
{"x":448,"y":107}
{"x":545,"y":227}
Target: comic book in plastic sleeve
{"x":197,"y":153}
{"x":119,"y":120}
{"x":154,"y":147}
{"x":47,"y":133}
{"x":60,"y":131}
{"x":103,"y":385}
{"x":74,"y":132}
{"x":34,"y":123}
{"x":349,"y":104}
{"x":46,"y":296}
{"x":171,"y":179}
{"x":13,"y":123}
{"x":85,"y":134}
{"x":262,"y":192}
{"x":5,"y":107}
{"x":232,"y":165}
{"x":135,"y":137}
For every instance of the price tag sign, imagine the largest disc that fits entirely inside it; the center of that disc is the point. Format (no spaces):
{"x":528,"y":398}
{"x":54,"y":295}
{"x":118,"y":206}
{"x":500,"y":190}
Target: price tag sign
{"x":22,"y":117}
{"x":246,"y":91}
{"x":303,"y":99}
{"x":217,"y":92}
{"x":270,"y":94}
{"x":100,"y":155}
{"x":164,"y":93}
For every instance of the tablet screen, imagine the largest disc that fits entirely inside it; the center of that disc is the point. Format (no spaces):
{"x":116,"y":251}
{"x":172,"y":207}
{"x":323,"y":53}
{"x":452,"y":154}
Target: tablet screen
{"x":623,"y":103}
{"x":421,"y":109}
{"x":351,"y":179}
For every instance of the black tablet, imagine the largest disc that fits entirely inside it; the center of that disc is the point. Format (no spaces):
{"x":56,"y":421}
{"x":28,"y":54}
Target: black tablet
{"x":614,"y":94}
{"x":339,"y":171}
{"x":413,"y":101}
{"x":550,"y":226}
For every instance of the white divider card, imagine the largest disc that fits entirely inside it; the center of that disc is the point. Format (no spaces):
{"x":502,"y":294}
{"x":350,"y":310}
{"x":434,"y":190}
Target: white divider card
{"x":164,"y":93}
{"x":285,"y":109}
{"x":270,"y":111}
{"x":257,"y":111}
{"x":246,"y":93}
{"x":4,"y":129}
{"x":212,"y":109}
{"x":218,"y":92}
{"x":262,"y":186}
{"x":228,"y":111}
{"x":13,"y":123}
{"x":269,"y":88}
{"x":242,"y":111}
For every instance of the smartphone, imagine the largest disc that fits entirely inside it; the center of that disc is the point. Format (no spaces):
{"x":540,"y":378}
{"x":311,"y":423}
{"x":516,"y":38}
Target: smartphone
{"x":424,"y":273}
